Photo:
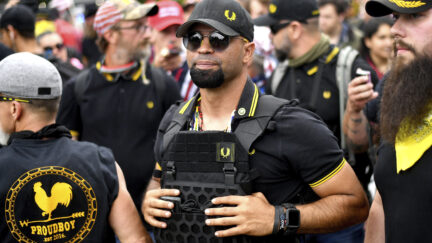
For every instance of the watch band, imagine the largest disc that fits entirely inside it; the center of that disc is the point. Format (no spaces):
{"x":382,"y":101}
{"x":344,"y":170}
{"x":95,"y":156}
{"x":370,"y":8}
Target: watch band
{"x":278,"y":212}
{"x":292,"y":215}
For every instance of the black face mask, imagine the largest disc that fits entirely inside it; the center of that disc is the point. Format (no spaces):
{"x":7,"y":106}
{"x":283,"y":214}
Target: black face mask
{"x":50,"y":131}
{"x":207,"y":78}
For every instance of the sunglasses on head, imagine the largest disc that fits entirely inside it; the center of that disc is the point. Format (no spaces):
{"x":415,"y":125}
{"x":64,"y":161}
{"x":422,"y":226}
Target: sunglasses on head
{"x":59,"y":46}
{"x":217,"y":40}
{"x":4,"y":98}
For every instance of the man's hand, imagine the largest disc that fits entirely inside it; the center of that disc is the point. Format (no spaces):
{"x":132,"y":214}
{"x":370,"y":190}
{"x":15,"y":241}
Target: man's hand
{"x":360,"y":91}
{"x":250,"y":215}
{"x":153,"y":206}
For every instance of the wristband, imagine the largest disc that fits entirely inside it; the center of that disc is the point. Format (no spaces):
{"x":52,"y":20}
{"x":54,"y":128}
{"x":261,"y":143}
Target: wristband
{"x":278,"y":212}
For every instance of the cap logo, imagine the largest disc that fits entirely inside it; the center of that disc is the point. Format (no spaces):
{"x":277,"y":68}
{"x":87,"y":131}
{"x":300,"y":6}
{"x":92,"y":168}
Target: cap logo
{"x":408,"y":4}
{"x":170,"y":11}
{"x":233,"y":15}
{"x":315,"y":12}
{"x":272,"y":8}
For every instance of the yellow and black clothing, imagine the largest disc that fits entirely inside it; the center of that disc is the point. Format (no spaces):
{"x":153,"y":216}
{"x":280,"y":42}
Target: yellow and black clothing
{"x":295,"y":153}
{"x":406,"y":196}
{"x":55,"y":189}
{"x":121,"y":112}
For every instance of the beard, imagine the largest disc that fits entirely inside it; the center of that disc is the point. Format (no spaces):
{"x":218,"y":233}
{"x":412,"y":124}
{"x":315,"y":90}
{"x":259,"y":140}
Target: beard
{"x":406,"y":96}
{"x":4,"y":137}
{"x":207,"y":78}
{"x":282,"y":53}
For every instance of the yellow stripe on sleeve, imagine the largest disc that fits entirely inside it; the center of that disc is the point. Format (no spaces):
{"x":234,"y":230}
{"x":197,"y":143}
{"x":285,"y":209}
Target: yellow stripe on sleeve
{"x":74,"y":133}
{"x":330,"y":175}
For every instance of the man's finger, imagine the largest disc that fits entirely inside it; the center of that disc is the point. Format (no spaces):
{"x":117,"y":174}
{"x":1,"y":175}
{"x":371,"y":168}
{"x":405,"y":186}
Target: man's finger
{"x":223,"y":221}
{"x":231,"y":200}
{"x":225,"y":211}
{"x":156,"y":223}
{"x":230,"y":232}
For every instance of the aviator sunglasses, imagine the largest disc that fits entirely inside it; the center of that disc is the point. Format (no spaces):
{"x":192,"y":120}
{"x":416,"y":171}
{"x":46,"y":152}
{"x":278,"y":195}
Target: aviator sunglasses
{"x":58,"y":46}
{"x":217,"y":40}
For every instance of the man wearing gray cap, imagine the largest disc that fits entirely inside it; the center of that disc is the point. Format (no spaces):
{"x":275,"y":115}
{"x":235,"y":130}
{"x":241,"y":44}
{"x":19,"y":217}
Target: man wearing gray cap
{"x":401,"y":211}
{"x":51,"y":187}
{"x":234,"y":166}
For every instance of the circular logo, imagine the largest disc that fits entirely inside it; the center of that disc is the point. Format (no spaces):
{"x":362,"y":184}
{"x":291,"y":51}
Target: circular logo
{"x":242,"y":111}
{"x":50,"y":204}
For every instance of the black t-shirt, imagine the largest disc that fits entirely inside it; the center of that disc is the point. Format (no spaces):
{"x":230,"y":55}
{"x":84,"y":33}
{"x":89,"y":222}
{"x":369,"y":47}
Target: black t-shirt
{"x":56,"y":190}
{"x":406,"y":197}
{"x":5,"y":51}
{"x":298,"y":152}
{"x":122,"y":115}
{"x":327,"y":100}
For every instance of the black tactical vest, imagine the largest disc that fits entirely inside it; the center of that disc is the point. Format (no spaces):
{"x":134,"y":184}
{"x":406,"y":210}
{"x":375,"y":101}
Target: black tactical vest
{"x":205,"y":165}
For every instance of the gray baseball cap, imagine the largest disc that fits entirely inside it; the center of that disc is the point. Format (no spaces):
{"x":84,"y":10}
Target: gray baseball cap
{"x":25,"y":75}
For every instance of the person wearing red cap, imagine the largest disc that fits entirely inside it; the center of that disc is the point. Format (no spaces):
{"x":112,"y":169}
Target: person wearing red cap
{"x":167,"y":48}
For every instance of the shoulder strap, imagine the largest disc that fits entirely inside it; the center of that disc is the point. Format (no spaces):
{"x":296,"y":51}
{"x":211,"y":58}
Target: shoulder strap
{"x":343,"y":76}
{"x":81,"y":84}
{"x":250,"y":129}
{"x":179,"y":119}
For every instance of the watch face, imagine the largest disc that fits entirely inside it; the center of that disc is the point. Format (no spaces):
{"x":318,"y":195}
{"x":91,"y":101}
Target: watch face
{"x":293,"y":218}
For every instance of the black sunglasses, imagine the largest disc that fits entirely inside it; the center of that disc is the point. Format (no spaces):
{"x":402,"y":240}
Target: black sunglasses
{"x":59,"y":46}
{"x":3,"y":98}
{"x":277,"y":27}
{"x":218,"y":41}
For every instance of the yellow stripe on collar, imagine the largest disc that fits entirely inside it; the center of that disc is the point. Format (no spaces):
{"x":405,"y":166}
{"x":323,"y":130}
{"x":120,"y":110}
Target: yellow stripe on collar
{"x":254,"y":102}
{"x":411,"y":148}
{"x":329,"y":58}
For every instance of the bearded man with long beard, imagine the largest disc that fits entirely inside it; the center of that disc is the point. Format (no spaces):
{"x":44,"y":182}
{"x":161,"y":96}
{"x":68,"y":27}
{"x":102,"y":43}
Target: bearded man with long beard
{"x":401,"y":210}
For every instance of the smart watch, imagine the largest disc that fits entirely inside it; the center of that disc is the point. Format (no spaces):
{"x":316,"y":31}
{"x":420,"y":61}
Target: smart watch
{"x":292,"y":217}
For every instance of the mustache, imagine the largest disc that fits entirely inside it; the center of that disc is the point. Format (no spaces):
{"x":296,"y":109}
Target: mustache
{"x":203,"y":57}
{"x":403,"y":44}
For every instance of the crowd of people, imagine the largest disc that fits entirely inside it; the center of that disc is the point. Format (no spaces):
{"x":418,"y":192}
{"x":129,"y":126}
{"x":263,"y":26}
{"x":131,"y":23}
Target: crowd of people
{"x":215,"y":121}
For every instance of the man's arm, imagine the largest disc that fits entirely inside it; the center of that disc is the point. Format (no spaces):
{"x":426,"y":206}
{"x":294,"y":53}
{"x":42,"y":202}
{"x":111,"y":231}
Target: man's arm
{"x":343,"y":203}
{"x":124,"y":218}
{"x":360,"y":91}
{"x":375,"y":225}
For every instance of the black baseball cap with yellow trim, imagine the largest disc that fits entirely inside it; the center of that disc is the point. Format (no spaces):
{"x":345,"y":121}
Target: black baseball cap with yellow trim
{"x":226,"y":16}
{"x":298,"y":10}
{"x":378,"y":8}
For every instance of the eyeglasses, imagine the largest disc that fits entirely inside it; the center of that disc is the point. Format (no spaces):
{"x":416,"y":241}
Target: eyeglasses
{"x":277,"y":27}
{"x":218,"y":41}
{"x":3,"y":98}
{"x":136,"y":27}
{"x":59,"y":46}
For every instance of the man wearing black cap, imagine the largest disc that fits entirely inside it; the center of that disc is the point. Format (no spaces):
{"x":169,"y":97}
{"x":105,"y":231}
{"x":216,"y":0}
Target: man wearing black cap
{"x":401,"y":210}
{"x":317,"y":73}
{"x":232,"y":163}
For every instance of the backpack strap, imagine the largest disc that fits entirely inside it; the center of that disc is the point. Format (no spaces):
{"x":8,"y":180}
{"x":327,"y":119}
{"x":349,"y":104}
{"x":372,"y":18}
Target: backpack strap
{"x":250,"y":129}
{"x":343,"y":76}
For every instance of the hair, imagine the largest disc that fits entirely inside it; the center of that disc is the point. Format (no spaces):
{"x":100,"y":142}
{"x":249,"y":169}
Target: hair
{"x":369,"y":29}
{"x":21,"y":18}
{"x":340,"y":5}
{"x":311,"y":25}
{"x":46,"y":108}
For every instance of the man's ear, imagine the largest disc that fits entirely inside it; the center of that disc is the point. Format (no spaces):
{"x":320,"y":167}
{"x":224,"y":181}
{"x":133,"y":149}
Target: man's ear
{"x":110,"y":36}
{"x":16,"y":110}
{"x":11,"y":31}
{"x":249,"y":51}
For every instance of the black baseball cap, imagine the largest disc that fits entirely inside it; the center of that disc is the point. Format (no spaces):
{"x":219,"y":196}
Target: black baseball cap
{"x":226,"y":16}
{"x":299,"y":10}
{"x":20,"y":17}
{"x":378,"y":8}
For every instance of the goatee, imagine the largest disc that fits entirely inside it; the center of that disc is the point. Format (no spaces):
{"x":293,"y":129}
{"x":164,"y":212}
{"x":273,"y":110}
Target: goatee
{"x":207,"y":78}
{"x":407,"y":93}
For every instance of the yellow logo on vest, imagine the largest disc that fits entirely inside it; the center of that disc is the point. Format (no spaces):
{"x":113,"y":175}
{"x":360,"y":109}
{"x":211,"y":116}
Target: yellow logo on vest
{"x":408,"y":4}
{"x":233,"y":15}
{"x":150,"y":104}
{"x":64,"y":206}
{"x":327,"y":94}
{"x":225,"y":152}
{"x":272,"y":8}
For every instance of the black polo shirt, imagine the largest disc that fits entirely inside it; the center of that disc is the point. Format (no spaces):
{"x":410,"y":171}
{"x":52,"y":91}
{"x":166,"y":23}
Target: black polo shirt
{"x":406,"y":197}
{"x":296,"y":152}
{"x":122,"y":115}
{"x":327,"y":95}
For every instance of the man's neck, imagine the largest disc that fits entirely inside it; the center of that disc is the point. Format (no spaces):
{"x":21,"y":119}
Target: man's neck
{"x":218,"y":104}
{"x":33,"y":124}
{"x":115,"y":57}
{"x":27,"y":45}
{"x":335,"y":34}
{"x":305,"y":45}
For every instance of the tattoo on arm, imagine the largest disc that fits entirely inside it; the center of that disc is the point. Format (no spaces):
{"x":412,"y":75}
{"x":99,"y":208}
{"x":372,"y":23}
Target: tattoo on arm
{"x":357,"y":121}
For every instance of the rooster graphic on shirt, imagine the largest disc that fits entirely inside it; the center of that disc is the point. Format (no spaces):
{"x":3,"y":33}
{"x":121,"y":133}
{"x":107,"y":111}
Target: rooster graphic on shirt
{"x":61,"y":193}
